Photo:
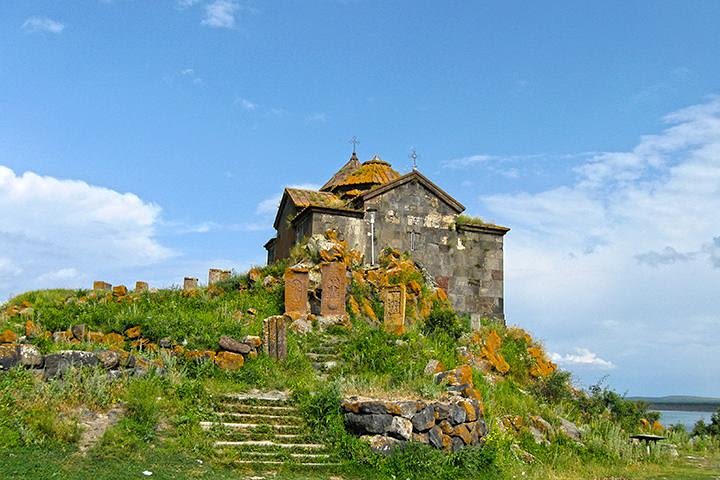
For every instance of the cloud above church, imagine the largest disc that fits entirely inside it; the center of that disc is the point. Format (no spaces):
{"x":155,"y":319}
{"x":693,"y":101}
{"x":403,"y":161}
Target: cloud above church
{"x":625,"y":254}
{"x":57,"y":232}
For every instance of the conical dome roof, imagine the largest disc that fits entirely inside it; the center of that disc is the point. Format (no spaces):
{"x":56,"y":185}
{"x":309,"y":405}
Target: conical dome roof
{"x":355,"y":178}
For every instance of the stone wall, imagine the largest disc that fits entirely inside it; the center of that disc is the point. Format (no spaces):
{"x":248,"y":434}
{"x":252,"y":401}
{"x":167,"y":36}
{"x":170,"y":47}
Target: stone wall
{"x":448,"y":425}
{"x":466,"y":261}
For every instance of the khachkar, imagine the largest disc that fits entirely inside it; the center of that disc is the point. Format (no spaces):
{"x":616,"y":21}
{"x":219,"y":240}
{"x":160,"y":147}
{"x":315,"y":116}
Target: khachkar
{"x":297,"y":281}
{"x":334,"y":286}
{"x":275,"y":337}
{"x":393,"y":297}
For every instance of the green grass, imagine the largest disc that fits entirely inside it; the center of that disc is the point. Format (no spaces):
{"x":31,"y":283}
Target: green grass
{"x":160,"y":431}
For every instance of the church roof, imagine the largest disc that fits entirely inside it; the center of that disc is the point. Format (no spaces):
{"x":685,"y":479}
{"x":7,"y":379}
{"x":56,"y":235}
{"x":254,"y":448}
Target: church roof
{"x":312,"y":198}
{"x":354,"y":175}
{"x":337,"y":179}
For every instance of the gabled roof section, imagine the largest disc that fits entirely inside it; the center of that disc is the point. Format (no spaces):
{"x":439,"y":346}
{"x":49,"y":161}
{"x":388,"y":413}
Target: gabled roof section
{"x":305,"y":198}
{"x":424,"y":181}
{"x":302,"y":199}
{"x":337,"y":179}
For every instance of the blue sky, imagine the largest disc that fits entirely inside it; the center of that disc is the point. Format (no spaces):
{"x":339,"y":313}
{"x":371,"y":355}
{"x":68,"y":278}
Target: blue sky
{"x":150,"y":140}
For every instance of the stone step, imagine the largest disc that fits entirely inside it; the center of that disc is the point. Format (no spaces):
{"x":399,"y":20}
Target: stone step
{"x":324,"y":366}
{"x":259,"y":398}
{"x":284,"y":420}
{"x":268,"y":436}
{"x":257,"y":409}
{"x":269,"y":444}
{"x":280,"y":462}
{"x":252,"y":427}
{"x":301,"y":456}
{"x":322,"y":357}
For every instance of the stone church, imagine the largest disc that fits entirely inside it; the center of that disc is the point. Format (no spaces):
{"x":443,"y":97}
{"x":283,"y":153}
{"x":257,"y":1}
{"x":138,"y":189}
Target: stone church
{"x":372,"y":207}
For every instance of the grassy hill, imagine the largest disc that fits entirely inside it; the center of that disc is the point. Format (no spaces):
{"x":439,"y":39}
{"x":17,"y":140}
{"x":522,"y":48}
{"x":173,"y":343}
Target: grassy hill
{"x":44,"y":423}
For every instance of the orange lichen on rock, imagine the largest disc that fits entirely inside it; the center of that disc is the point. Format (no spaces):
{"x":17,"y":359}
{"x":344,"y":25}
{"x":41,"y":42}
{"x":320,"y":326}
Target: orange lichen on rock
{"x":32,"y":330}
{"x":491,"y":352}
{"x":353,"y":306}
{"x":133,"y":332}
{"x":368,"y":310}
{"x":8,"y":336}
{"x":542,"y":367}
{"x":229,"y":360}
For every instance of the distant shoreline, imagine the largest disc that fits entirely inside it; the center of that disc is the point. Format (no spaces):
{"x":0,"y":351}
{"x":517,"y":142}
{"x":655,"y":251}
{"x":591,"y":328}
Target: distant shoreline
{"x":680,"y":402}
{"x":686,"y":407}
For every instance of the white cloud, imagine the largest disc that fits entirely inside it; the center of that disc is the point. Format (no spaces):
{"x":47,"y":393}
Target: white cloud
{"x":63,"y":229}
{"x":42,"y":24}
{"x":581,"y":357}
{"x":187,"y":3}
{"x":576,"y":259}
{"x":221,"y":14}
{"x":316,"y":118}
{"x":246,"y":104}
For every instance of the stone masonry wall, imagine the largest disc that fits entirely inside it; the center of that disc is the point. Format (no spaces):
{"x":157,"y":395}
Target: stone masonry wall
{"x":448,"y":425}
{"x":466,"y":262}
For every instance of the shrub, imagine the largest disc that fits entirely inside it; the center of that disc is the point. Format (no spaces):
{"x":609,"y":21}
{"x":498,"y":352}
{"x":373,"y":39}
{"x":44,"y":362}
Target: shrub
{"x":442,"y":318}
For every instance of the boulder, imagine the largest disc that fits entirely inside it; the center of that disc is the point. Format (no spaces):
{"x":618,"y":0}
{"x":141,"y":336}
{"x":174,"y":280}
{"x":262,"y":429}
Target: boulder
{"x":95,"y":337}
{"x":229,"y":360}
{"x":253,"y":340}
{"x":114,"y":340}
{"x":457,"y":444}
{"x":78,"y":332}
{"x":133,"y":332}
{"x":541,"y":424}
{"x":8,"y":336}
{"x":301,"y":326}
{"x":435,"y":437}
{"x":538,"y":436}
{"x":424,"y":420}
{"x":381,"y":444}
{"x":442,"y":411}
{"x":471,"y":410}
{"x":9,"y":356}
{"x":57,"y":363}
{"x":32,"y":330}
{"x":360,"y":424}
{"x":433,"y":366}
{"x":570,"y":430}
{"x":457,"y":414}
{"x":420,"y":437}
{"x":109,"y":359}
{"x":165,"y":342}
{"x":400,"y":428}
{"x":231,"y":345}
{"x":30,"y":356}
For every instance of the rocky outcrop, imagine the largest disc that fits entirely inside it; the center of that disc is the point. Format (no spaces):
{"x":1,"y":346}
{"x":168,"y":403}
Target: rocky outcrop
{"x":448,"y":424}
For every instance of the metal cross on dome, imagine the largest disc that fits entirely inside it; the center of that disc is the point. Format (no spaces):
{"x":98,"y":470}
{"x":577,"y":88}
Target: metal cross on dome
{"x":413,"y":155}
{"x":355,"y":142}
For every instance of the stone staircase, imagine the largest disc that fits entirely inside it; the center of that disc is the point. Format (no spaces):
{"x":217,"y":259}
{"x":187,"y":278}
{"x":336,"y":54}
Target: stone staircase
{"x":264,"y":431}
{"x":324,"y":354}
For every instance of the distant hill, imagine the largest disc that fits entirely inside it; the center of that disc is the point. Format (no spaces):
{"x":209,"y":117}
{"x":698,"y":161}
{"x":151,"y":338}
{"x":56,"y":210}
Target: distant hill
{"x":680,"y":402}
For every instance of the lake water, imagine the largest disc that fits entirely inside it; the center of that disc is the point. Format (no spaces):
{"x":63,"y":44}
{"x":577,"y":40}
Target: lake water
{"x":684,"y":417}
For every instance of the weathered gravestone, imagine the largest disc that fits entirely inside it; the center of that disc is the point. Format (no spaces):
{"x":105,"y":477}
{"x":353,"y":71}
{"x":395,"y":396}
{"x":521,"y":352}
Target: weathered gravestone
{"x":141,"y":287}
{"x":275,"y":337}
{"x":100,"y":285}
{"x":216,"y":275}
{"x":394,"y":305}
{"x":190,"y":283}
{"x":297,"y":281}
{"x":334,"y":285}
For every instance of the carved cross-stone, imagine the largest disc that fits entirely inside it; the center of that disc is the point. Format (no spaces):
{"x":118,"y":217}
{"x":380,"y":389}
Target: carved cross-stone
{"x":297,"y":281}
{"x":216,"y":275}
{"x":100,"y":285}
{"x":190,"y":283}
{"x":394,"y":305}
{"x":334,"y":286}
{"x":275,"y":337}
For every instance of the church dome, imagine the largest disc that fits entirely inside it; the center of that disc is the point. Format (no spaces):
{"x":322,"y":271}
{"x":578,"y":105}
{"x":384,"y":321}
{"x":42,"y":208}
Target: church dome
{"x":374,"y":172}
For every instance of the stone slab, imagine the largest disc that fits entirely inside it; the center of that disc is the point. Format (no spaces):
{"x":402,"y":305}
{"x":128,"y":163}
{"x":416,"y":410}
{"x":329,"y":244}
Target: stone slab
{"x":394,"y":298}
{"x":297,"y":282}
{"x":334,"y":286}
